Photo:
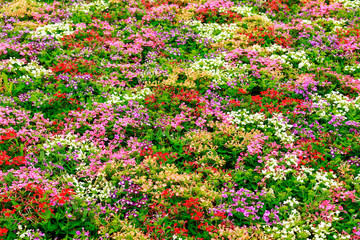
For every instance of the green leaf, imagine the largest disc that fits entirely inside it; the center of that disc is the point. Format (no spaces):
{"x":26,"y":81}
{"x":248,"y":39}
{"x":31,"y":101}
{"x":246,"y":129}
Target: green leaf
{"x":22,"y":149}
{"x":33,"y":98}
{"x":42,"y":155}
{"x":8,"y":86}
{"x":84,"y":214}
{"x":18,"y":89}
{"x":4,"y":76}
{"x":62,"y":226}
{"x":9,"y":178}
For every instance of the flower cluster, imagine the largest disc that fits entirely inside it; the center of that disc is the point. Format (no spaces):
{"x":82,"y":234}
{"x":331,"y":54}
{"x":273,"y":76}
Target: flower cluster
{"x":179,"y":119}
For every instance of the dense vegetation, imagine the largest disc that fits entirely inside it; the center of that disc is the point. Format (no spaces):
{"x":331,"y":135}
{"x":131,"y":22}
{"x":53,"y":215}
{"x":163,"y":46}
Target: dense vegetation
{"x":179,"y":119}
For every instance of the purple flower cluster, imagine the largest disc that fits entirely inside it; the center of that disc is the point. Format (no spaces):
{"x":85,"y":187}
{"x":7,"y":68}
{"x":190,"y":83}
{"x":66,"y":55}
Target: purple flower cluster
{"x":246,"y":205}
{"x":128,"y":198}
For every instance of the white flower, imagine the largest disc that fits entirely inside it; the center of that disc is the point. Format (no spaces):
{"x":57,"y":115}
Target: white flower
{"x":326,"y":179}
{"x":350,"y":3}
{"x":243,"y":10}
{"x":100,"y":5}
{"x":216,"y":32}
{"x":57,"y":30}
{"x":138,"y":95}
{"x":81,"y":148}
{"x":35,"y":70}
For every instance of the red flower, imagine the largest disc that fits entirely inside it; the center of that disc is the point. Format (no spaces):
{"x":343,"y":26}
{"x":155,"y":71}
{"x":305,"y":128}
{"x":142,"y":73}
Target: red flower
{"x":8,"y":135}
{"x":242,"y":91}
{"x":3,"y":231}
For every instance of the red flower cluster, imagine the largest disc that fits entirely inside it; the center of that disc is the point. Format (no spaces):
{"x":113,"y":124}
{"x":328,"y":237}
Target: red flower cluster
{"x":212,"y":14}
{"x":150,"y":4}
{"x":16,"y":161}
{"x":31,"y":202}
{"x":242,"y":91}
{"x":271,"y":93}
{"x":277,"y":5}
{"x":3,"y":232}
{"x":64,"y":196}
{"x":235,"y":103}
{"x":220,"y":214}
{"x":163,"y":157}
{"x":59,"y":96}
{"x":207,"y":227}
{"x":167,"y":193}
{"x":82,"y":39}
{"x":272,"y":101}
{"x":74,"y":67}
{"x":8,"y":135}
{"x":180,"y":231}
{"x":187,"y":95}
{"x":193,"y":206}
{"x":268,"y":35}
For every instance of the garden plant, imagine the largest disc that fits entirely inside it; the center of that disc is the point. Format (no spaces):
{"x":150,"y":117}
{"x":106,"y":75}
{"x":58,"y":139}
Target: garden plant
{"x":179,"y":119}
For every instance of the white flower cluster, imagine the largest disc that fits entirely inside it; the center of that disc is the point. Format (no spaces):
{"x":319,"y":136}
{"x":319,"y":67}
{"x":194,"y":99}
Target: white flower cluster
{"x":300,"y":57}
{"x":334,"y":102}
{"x":290,"y":159}
{"x":275,"y":48}
{"x":325,"y":179}
{"x":313,"y":23}
{"x":341,"y":236}
{"x":139,"y":95}
{"x":216,"y":32}
{"x":282,"y":58}
{"x":176,"y":237}
{"x":72,"y":143}
{"x":320,"y":105}
{"x":290,"y":228}
{"x":281,"y":128}
{"x":294,"y":226}
{"x":274,"y":171}
{"x":291,"y":57}
{"x":357,"y":179}
{"x":99,"y":189}
{"x":291,"y":201}
{"x":35,"y":70}
{"x":29,"y":233}
{"x":350,"y":3}
{"x":12,"y":61}
{"x":342,"y":103}
{"x":99,"y":5}
{"x":277,"y":170}
{"x":220,"y":69}
{"x":265,"y":17}
{"x":321,"y":231}
{"x":12,"y":64}
{"x":338,"y":23}
{"x":352,"y":68}
{"x":57,"y":30}
{"x":216,"y":67}
{"x":277,"y":122}
{"x":245,"y":11}
{"x":243,"y":117}
{"x":306,"y":21}
{"x":303,"y":174}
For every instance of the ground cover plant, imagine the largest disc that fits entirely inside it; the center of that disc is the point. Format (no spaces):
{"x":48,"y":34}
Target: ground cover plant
{"x":179,"y":119}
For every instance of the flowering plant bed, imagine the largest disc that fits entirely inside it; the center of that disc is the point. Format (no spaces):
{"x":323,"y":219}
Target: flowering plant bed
{"x":179,"y":119}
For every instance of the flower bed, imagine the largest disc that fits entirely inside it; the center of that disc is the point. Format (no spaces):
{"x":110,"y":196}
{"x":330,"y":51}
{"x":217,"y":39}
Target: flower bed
{"x":179,"y":119}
